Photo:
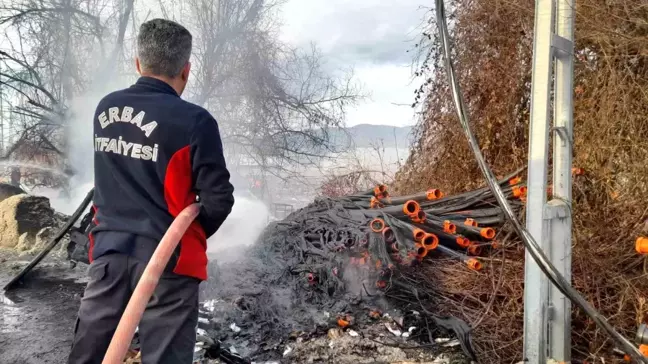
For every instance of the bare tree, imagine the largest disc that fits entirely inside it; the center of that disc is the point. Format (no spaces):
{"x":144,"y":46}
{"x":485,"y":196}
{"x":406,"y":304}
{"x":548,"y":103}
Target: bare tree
{"x":276,"y":103}
{"x":46,"y":63}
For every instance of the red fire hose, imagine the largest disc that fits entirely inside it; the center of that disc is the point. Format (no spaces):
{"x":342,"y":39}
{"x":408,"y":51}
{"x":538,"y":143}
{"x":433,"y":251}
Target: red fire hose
{"x":133,"y":314}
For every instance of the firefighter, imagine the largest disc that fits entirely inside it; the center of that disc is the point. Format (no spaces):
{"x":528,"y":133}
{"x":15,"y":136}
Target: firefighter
{"x":154,"y":154}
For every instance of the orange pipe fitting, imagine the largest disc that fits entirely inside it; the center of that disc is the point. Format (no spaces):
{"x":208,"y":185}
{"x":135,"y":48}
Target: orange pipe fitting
{"x":449,"y":227}
{"x":487,"y":233}
{"x":421,"y":251}
{"x":474,"y":264}
{"x":375,"y":203}
{"x":430,"y":241}
{"x":463,"y":242}
{"x":132,"y":315}
{"x":388,"y":235}
{"x":433,"y":194}
{"x":470,"y":222}
{"x":411,"y":208}
{"x":420,"y":217}
{"x":380,"y":191}
{"x":418,"y":234}
{"x":515,"y":180}
{"x":377,"y":225}
{"x":474,"y":249}
{"x":516,"y":191}
{"x":641,"y":245}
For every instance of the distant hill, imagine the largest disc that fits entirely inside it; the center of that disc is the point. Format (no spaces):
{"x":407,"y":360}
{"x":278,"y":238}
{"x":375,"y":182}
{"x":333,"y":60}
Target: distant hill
{"x":366,"y":136}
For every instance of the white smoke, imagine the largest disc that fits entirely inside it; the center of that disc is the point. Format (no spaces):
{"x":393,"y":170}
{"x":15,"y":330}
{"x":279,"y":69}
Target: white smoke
{"x":242,"y":228}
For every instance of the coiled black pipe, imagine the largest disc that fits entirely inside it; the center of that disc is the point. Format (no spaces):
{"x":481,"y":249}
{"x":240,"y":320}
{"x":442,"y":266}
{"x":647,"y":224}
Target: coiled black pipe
{"x":532,"y":246}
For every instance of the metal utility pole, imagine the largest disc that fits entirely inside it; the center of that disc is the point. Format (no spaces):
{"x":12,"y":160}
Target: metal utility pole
{"x":547,"y":313}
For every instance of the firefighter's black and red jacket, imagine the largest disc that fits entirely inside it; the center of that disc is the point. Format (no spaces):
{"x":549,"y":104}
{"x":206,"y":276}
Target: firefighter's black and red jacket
{"x":153,"y":154}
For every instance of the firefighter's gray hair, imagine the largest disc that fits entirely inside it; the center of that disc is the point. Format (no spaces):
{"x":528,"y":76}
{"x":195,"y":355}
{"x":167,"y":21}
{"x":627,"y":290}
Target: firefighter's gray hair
{"x":163,"y":47}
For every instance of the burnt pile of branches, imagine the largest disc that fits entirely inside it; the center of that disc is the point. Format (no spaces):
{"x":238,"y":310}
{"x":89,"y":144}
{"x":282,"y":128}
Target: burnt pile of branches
{"x":336,"y":261}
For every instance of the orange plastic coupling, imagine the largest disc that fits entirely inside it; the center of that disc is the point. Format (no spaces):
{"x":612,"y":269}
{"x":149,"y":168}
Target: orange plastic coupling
{"x":411,"y":208}
{"x":430,"y":241}
{"x":420,"y":217}
{"x":421,"y":251}
{"x":641,"y":245}
{"x":418,"y":234}
{"x":475,"y":249}
{"x":487,"y":233}
{"x":380,"y":191}
{"x":515,"y":180}
{"x":449,"y":227}
{"x":577,"y":171}
{"x":474,"y":264}
{"x":463,"y":242}
{"x":519,"y":191}
{"x":470,"y":222}
{"x":377,"y":225}
{"x":643,"y":349}
{"x":375,"y":203}
{"x":388,"y":235}
{"x":342,"y":322}
{"x":433,"y":194}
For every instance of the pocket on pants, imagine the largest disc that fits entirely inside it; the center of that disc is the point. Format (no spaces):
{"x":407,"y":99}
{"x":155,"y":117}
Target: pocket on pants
{"x":97,"y":271}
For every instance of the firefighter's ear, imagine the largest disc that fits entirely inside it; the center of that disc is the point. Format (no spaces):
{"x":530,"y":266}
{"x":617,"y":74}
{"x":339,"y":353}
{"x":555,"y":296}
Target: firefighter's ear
{"x":138,"y":66}
{"x":185,"y":72}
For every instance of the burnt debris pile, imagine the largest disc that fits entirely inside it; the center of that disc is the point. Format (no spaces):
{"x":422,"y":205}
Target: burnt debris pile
{"x":339,"y":261}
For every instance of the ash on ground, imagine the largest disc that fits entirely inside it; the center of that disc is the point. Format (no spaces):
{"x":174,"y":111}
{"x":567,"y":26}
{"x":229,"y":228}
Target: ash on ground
{"x":289,"y":299}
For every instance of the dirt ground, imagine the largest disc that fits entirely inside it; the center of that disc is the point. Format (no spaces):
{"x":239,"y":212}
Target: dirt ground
{"x":37,"y":318}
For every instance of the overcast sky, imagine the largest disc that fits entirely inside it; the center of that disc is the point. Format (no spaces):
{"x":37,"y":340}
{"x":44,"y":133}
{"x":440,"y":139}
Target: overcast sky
{"x":373,"y":37}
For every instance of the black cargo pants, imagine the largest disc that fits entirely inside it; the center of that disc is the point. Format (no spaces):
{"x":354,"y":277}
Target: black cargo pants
{"x":168,"y":328}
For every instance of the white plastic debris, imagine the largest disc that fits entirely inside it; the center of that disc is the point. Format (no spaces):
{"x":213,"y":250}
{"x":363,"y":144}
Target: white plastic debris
{"x":441,"y":340}
{"x":451,"y":344}
{"x":327,"y":314}
{"x":353,"y":333}
{"x":210,"y":305}
{"x":409,"y":332}
{"x":416,"y":313}
{"x":287,"y":351}
{"x":396,"y":332}
{"x":442,"y":359}
{"x":203,"y":320}
{"x":235,"y":328}
{"x":201,"y":332}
